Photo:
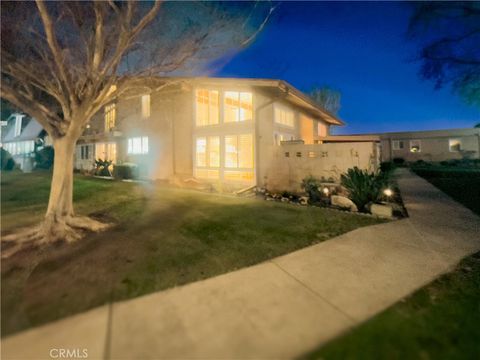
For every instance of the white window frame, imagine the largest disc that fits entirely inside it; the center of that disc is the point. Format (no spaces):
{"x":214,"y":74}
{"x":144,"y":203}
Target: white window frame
{"x":240,"y":112}
{"x":18,"y":124}
{"x":277,"y":108}
{"x":412,"y":144}
{"x":141,"y":145}
{"x":450,"y":144}
{"x":396,"y":144}
{"x":210,"y":121}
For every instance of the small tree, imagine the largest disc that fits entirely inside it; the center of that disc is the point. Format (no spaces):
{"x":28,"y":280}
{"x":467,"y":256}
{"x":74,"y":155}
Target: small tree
{"x":327,"y":98}
{"x":448,"y":34}
{"x":63,"y":61}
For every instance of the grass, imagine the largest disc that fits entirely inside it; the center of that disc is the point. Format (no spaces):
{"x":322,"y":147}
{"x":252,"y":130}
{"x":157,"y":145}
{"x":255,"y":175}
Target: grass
{"x":461,"y":184}
{"x":439,"y":321}
{"x":163,"y":237}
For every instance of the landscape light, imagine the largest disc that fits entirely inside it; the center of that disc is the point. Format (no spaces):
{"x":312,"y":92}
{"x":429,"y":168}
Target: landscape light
{"x":388,"y":192}
{"x":326,"y":190}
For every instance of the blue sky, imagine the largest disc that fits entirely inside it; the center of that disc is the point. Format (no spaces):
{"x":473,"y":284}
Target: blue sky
{"x":360,"y":49}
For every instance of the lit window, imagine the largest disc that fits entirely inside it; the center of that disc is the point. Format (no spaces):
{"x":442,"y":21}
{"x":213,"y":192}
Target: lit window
{"x":238,"y":106}
{"x":106,"y":151}
{"x":208,"y":151}
{"x":207,"y":109}
{"x":415,"y":146}
{"x":146,"y":106}
{"x":137,"y":145}
{"x":312,"y":154}
{"x":455,"y":145}
{"x":239,"y":151}
{"x":398,"y":144}
{"x":284,"y":116}
{"x":110,"y":115}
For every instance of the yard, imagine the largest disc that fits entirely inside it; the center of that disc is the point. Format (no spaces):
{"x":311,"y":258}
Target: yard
{"x":439,"y":321}
{"x":163,"y":237}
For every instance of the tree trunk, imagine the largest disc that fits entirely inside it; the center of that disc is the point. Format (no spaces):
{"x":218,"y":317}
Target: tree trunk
{"x":60,"y":203}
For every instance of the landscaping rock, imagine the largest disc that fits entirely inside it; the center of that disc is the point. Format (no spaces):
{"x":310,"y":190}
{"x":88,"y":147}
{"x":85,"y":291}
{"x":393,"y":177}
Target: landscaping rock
{"x":303,"y":200}
{"x":381,"y":210}
{"x":284,"y":199}
{"x":343,"y":203}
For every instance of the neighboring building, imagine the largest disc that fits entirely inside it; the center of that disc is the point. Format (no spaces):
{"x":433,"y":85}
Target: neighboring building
{"x":226,"y":131}
{"x":434,"y":145}
{"x":21,"y":137}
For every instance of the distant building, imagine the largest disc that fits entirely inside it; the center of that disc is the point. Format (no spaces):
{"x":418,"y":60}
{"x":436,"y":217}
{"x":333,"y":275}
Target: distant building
{"x":21,"y":137}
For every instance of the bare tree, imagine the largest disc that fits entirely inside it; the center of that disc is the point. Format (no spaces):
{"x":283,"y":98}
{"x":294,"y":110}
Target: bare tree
{"x":327,"y":98}
{"x":448,"y":34}
{"x":63,"y":61}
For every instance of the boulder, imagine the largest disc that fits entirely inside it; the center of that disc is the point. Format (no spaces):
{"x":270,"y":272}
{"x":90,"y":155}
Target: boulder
{"x":381,"y":210}
{"x":303,"y":200}
{"x":343,"y":203}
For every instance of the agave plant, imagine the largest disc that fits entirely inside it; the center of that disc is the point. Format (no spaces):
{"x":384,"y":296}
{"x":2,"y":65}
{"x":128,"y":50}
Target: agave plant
{"x":363,"y":186}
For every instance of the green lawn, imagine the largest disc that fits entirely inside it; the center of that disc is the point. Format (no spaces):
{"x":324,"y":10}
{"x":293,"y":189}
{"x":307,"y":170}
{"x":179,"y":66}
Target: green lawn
{"x":440,"y":321}
{"x":162,"y":237}
{"x":461,"y":184}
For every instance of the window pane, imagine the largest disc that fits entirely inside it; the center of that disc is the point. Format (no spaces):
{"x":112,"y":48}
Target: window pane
{"x":201,"y":150}
{"x":246,"y":106}
{"x":245,"y":154}
{"x":137,"y":145}
{"x":231,"y":157}
{"x":232,"y":106}
{"x":130,"y":146}
{"x":110,"y":113}
{"x":144,"y":145}
{"x":214,"y":151}
{"x":146,"y":106}
{"x":207,"y":109}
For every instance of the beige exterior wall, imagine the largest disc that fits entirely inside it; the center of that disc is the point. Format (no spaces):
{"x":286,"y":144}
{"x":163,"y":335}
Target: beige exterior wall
{"x":434,"y":145}
{"x":290,"y":164}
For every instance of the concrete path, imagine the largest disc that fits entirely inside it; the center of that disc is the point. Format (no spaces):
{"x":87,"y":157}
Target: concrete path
{"x":281,"y":308}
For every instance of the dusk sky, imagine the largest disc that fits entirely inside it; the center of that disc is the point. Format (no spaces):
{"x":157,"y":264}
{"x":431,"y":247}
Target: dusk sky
{"x":361,"y":50}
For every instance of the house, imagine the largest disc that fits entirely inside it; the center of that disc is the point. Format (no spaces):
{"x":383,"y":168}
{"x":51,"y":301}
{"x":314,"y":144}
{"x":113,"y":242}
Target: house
{"x":22,"y":136}
{"x":433,"y":145}
{"x":233,"y":132}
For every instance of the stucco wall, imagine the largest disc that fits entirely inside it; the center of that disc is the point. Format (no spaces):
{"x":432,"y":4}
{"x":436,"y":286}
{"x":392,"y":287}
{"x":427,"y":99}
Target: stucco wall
{"x":320,"y":160}
{"x":432,"y":148}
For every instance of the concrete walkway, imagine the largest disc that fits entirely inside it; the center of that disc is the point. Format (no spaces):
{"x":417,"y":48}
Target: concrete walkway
{"x":281,"y":308}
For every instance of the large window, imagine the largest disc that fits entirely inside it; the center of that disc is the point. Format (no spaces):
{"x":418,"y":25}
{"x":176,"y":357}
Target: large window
{"x":238,"y":106}
{"x":20,"y":147}
{"x":110,"y":116}
{"x":207,"y":107}
{"x":455,"y":145}
{"x":146,"y":106}
{"x":18,"y":124}
{"x":137,"y":145}
{"x":106,"y":151}
{"x":398,"y":144}
{"x":239,"y":151}
{"x":85,"y":152}
{"x":415,"y":146}
{"x":207,"y":151}
{"x":284,"y":116}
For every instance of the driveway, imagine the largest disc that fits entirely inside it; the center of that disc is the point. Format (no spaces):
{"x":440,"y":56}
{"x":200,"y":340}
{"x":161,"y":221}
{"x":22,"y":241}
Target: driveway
{"x":281,"y":308}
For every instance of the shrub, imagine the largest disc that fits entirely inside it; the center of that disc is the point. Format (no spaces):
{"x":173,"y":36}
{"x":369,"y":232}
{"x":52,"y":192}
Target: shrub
{"x":102,"y":167}
{"x":387,"y":166}
{"x":364,"y":187}
{"x":311,"y":184}
{"x":125,"y":171}
{"x":44,"y":158}
{"x":7,"y":162}
{"x":399,"y":161}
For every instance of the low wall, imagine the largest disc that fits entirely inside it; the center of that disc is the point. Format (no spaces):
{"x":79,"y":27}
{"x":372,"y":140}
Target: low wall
{"x":291,"y":163}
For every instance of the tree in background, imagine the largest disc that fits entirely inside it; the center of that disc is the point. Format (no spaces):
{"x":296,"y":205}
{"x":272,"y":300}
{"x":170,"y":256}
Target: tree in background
{"x":63,"y":61}
{"x":327,"y":98}
{"x":448,"y":34}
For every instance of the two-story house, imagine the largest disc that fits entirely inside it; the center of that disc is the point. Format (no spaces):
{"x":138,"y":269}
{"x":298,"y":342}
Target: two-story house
{"x":214,"y":129}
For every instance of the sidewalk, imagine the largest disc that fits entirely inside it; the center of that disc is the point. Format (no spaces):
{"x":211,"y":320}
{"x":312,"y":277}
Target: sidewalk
{"x":281,"y":308}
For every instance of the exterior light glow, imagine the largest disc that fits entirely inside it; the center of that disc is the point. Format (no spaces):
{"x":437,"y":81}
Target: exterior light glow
{"x":326,"y":190}
{"x":388,"y":192}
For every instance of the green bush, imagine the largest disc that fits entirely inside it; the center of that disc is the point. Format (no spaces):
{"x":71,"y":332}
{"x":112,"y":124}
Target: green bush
{"x":387,"y":166}
{"x":7,"y":162}
{"x":311,"y":184}
{"x":399,"y":161}
{"x":102,"y":167}
{"x":44,"y":158}
{"x":364,"y":187}
{"x":125,"y":171}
